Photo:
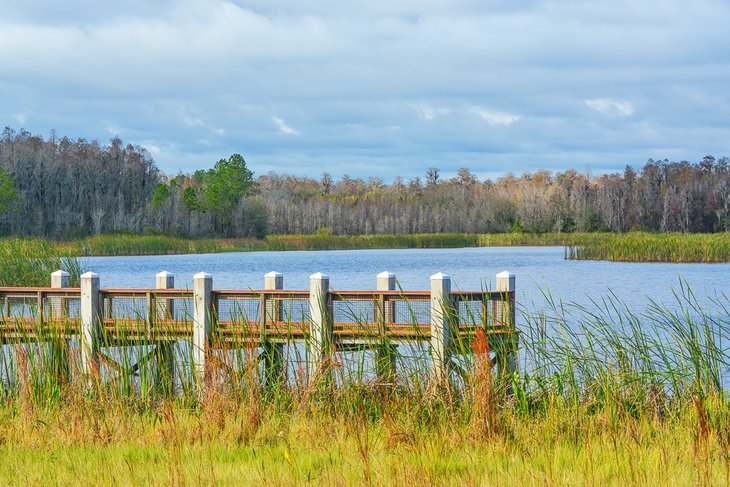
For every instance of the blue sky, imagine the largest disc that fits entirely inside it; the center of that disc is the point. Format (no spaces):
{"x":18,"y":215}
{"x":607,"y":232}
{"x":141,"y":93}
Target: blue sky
{"x":375,"y":88}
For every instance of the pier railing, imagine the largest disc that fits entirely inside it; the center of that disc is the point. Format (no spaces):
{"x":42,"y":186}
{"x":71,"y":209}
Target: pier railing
{"x":325,"y":321}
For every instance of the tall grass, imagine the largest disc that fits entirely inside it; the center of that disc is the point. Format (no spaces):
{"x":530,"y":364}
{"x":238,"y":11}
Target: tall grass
{"x":30,"y":262}
{"x":605,"y":395}
{"x":652,"y":247}
{"x":634,"y":246}
{"x":159,"y":245}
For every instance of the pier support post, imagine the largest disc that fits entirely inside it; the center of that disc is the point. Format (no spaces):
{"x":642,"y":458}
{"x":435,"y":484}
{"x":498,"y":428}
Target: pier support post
{"x":90,"y":325}
{"x":202,"y":319}
{"x":385,"y":352}
{"x":165,"y":377}
{"x":320,"y":328}
{"x":58,"y":343}
{"x":504,"y":313}
{"x":274,"y":365}
{"x":440,"y":326}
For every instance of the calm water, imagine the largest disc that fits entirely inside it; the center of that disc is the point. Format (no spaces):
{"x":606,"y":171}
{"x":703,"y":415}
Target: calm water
{"x":538,"y":270}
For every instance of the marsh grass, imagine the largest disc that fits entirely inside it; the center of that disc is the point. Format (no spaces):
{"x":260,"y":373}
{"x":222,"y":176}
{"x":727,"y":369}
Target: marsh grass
{"x":653,"y":247}
{"x":29,"y":262}
{"x":605,"y":395}
{"x":122,"y":244}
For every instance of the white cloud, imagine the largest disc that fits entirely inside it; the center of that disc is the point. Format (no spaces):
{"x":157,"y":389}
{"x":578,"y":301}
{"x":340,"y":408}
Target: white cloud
{"x":192,"y":121}
{"x":427,"y":112}
{"x":494,"y":118}
{"x":201,"y":79}
{"x":609,"y":106}
{"x":283,"y":127}
{"x":114,"y":130}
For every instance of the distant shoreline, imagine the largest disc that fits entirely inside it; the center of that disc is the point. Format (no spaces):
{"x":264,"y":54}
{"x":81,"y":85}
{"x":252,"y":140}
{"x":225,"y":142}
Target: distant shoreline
{"x":625,"y":247}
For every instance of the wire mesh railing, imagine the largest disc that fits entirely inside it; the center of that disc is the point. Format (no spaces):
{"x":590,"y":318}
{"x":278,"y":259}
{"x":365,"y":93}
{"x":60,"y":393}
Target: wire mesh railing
{"x":305,"y":330}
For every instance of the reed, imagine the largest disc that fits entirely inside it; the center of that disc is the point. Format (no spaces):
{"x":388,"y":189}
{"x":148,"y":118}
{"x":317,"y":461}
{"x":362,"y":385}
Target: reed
{"x":124,"y":244}
{"x":654,"y":247}
{"x":605,"y":395}
{"x":632,"y":247}
{"x":29,"y":262}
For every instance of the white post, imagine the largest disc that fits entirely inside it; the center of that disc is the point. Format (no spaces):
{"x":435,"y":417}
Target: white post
{"x":202,"y":311}
{"x":166,"y":378}
{"x":274,"y":366}
{"x":59,"y":305}
{"x":90,"y":324}
{"x":440,"y":333}
{"x":58,"y":309}
{"x":165,"y":306}
{"x":385,"y":352}
{"x":504,"y":313}
{"x":320,"y":329}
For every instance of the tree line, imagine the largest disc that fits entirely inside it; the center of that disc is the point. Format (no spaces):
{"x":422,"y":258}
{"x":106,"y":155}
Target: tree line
{"x":59,"y":188}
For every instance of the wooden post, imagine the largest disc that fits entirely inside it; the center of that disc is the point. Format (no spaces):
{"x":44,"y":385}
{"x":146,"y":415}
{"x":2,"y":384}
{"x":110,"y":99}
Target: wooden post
{"x":274,"y":365}
{"x":320,"y":328}
{"x":440,"y":332}
{"x":58,"y":344}
{"x":166,"y":377}
{"x":202,"y":317}
{"x":385,"y":314}
{"x":90,"y":325}
{"x":504,"y":313}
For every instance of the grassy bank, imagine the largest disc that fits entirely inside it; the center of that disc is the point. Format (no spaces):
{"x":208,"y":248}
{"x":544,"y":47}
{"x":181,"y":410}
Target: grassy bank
{"x":633,"y":246}
{"x":30,"y":262}
{"x":606,"y":396}
{"x":222,"y":443}
{"x":654,"y":247}
{"x":160,"y":245}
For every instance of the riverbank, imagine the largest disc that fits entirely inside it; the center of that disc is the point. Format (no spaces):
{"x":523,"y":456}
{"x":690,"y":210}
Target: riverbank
{"x":221,"y":443}
{"x":602,"y":397}
{"x":105,"y":245}
{"x":628,"y":247}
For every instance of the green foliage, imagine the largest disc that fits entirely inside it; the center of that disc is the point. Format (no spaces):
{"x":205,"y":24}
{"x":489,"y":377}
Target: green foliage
{"x":7,"y":190}
{"x":222,"y":186}
{"x":219,"y":190}
{"x":323,"y":232}
{"x":161,"y":194}
{"x":30,"y":262}
{"x":190,"y":199}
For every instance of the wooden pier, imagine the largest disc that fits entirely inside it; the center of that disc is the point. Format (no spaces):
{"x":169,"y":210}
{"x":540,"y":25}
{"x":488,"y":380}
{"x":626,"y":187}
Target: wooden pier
{"x":325,"y":321}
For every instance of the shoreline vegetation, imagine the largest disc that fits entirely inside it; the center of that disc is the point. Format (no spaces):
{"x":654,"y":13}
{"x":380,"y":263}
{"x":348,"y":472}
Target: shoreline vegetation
{"x":625,"y":247}
{"x":603,"y":397}
{"x":29,"y":261}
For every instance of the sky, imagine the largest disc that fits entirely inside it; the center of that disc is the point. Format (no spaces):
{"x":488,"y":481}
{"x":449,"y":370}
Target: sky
{"x":376,"y":87}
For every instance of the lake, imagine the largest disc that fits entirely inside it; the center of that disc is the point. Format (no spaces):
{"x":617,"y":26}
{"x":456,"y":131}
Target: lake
{"x":538,"y":270}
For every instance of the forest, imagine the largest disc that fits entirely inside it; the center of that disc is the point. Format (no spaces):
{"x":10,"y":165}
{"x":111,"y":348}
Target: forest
{"x":60,"y":188}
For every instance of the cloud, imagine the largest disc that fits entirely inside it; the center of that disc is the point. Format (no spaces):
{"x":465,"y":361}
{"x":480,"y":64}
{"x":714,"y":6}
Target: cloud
{"x":202,"y":80}
{"x":494,"y":118}
{"x":607,"y":106}
{"x":283,"y":127}
{"x":427,"y":112}
{"x":192,"y":121}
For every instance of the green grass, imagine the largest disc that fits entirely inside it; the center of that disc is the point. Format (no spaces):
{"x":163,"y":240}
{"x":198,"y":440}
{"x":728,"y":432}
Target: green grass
{"x":654,"y":247}
{"x":633,"y":246}
{"x":30,"y":262}
{"x":176,"y":446}
{"x":606,"y":396}
{"x":159,"y":245}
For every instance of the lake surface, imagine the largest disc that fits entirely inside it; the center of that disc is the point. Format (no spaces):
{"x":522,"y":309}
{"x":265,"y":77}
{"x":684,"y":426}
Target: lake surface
{"x":539,"y":270}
